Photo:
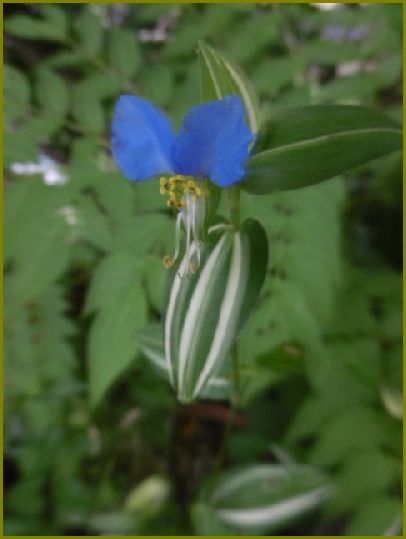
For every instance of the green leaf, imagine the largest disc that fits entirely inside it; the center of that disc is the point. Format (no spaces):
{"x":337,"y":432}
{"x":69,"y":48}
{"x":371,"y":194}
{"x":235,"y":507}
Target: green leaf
{"x":93,"y":225}
{"x":379,"y":516}
{"x":352,"y":430}
{"x":100,"y":86}
{"x":254,"y":34}
{"x":154,"y":275}
{"x":157,"y":83}
{"x":124,"y":53}
{"x":270,"y":75}
{"x":48,"y":249}
{"x":259,"y":498}
{"x":16,"y":93}
{"x":115,"y":274}
{"x":206,"y":523}
{"x":303,"y":228}
{"x":90,"y":33}
{"x":63,"y":59}
{"x":55,"y":15}
{"x":87,"y":109}
{"x":36,"y":236}
{"x":221,"y":77}
{"x":112,"y":340}
{"x":51,"y":28}
{"x":365,"y":475}
{"x":312,"y":144}
{"x":51,"y":92}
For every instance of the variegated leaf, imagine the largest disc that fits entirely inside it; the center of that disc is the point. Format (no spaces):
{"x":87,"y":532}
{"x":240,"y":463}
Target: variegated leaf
{"x":263,"y":496}
{"x":206,"y":310}
{"x":151,"y":341}
{"x":221,"y":77}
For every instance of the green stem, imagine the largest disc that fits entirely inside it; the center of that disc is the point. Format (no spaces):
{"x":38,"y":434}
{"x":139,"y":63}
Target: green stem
{"x":234,"y":200}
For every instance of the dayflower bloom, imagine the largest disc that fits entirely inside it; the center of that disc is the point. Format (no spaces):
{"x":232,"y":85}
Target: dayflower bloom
{"x":212,"y":144}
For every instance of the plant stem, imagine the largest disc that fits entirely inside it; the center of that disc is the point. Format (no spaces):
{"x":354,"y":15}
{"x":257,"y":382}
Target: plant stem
{"x":235,"y":401}
{"x":234,"y":200}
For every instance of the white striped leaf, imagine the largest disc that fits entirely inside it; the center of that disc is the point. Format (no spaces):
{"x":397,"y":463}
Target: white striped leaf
{"x":221,"y":77}
{"x":264,"y":496}
{"x":206,"y":310}
{"x":151,"y":341}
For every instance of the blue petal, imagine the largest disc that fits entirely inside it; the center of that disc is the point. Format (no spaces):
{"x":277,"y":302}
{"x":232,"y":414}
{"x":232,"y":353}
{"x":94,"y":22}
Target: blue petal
{"x":141,"y":139}
{"x":214,"y":141}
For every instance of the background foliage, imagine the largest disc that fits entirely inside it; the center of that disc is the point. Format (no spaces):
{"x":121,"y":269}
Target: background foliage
{"x":321,"y":356}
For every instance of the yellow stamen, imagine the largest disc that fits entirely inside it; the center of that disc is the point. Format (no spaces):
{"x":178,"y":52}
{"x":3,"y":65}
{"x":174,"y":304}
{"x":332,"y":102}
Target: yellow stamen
{"x":180,"y":203}
{"x":168,"y":261}
{"x":164,"y":186}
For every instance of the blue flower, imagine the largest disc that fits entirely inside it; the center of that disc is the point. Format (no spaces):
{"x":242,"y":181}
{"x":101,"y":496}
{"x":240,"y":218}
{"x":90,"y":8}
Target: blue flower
{"x":213,"y":141}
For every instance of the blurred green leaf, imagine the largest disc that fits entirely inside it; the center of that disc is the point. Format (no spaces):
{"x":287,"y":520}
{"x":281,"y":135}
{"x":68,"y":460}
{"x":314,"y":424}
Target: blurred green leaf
{"x":51,"y":92}
{"x":87,"y":108}
{"x":16,"y":93}
{"x":37,"y":237}
{"x":365,"y":475}
{"x":90,"y":33}
{"x":156,"y":82}
{"x":381,"y":515}
{"x":113,"y":277}
{"x":51,"y":27}
{"x":148,"y":497}
{"x":100,"y":85}
{"x":93,"y":225}
{"x":255,"y":32}
{"x":46,"y":248}
{"x":303,"y":229}
{"x":355,"y":429}
{"x":124,"y":53}
{"x":112,"y":340}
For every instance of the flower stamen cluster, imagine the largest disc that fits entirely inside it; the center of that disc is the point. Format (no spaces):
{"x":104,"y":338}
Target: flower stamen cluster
{"x":178,"y":188}
{"x":188,"y":195}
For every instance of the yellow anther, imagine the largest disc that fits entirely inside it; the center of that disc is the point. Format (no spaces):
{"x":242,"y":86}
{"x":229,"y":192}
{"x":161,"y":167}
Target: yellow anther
{"x":168,"y":261}
{"x":177,"y":187}
{"x":176,"y":180}
{"x":180,"y":203}
{"x":193,"y":188}
{"x":164,"y":186}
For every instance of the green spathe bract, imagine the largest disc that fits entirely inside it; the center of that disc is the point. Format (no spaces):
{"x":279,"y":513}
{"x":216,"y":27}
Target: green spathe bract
{"x":151,"y":342}
{"x":205,"y":310}
{"x":220,"y":77}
